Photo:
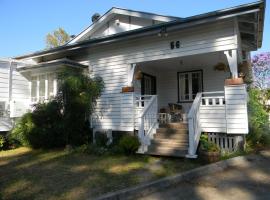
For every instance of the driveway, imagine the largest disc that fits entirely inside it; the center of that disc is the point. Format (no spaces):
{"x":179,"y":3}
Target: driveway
{"x":248,"y":181}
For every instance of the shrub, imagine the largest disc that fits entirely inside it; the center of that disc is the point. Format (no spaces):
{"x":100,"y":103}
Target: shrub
{"x":2,"y":142}
{"x":101,"y":139}
{"x":40,"y":129}
{"x":64,"y":120}
{"x":47,"y":131}
{"x":77,"y":95}
{"x":205,"y":145}
{"x":129,"y":144}
{"x":258,"y":120}
{"x":22,"y":129}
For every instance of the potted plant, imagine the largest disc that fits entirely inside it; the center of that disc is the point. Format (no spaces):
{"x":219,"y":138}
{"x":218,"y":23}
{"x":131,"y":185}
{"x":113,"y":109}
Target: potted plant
{"x":209,"y":151}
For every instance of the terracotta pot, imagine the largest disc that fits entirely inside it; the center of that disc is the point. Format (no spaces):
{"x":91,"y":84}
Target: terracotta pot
{"x":210,"y":156}
{"x":127,"y":89}
{"x":234,"y":81}
{"x":138,"y":75}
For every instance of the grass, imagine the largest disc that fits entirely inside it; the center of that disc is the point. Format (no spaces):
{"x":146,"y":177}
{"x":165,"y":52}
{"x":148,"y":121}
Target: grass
{"x":58,"y":174}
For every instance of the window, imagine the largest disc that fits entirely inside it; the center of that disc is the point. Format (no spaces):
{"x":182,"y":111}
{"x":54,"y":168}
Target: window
{"x":189,"y":84}
{"x":51,"y":78}
{"x":34,"y":89}
{"x":43,"y":87}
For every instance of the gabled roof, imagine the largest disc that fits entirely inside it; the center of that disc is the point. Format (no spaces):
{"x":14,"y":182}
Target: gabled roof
{"x":258,"y":7}
{"x":120,"y":11}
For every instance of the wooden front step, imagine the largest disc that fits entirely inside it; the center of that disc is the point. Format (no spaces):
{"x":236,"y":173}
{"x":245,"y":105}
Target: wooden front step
{"x":170,"y":140}
{"x":172,"y":131}
{"x":171,"y":136}
{"x":175,"y":125}
{"x":167,"y":151}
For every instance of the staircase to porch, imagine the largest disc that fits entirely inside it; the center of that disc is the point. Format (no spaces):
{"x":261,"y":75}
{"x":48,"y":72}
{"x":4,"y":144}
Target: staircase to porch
{"x":170,"y":140}
{"x":211,"y":112}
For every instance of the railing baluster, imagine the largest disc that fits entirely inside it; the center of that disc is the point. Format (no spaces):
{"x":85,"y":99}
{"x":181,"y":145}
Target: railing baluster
{"x":213,"y":101}
{"x":147,"y":117}
{"x":206,"y":102}
{"x":220,"y":101}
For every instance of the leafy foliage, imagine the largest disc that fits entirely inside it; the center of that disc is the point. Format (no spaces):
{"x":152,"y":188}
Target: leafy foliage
{"x":129,"y":144}
{"x":258,"y":120}
{"x":2,"y":142}
{"x":101,"y":140}
{"x":261,"y":70}
{"x":208,"y":146}
{"x":64,"y":120}
{"x":41,"y":128}
{"x":77,"y":95}
{"x":22,"y":129}
{"x":57,"y":38}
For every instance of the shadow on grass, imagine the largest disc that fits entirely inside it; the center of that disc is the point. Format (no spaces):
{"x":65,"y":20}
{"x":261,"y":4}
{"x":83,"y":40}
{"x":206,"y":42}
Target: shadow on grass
{"x":58,"y":174}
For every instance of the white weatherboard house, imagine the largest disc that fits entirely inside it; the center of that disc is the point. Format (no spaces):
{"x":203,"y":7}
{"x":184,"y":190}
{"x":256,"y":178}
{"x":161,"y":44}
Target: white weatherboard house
{"x":164,"y":76}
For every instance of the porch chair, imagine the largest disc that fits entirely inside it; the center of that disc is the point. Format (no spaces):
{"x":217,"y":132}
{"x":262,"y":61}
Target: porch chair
{"x":164,"y":116}
{"x":176,"y":112}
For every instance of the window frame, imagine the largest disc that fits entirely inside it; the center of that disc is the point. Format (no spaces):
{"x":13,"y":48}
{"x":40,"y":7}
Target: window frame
{"x":47,"y":96}
{"x":190,"y":86}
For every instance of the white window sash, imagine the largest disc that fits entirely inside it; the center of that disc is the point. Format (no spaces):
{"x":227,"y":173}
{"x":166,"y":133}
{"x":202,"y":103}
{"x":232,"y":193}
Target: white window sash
{"x":190,"y":95}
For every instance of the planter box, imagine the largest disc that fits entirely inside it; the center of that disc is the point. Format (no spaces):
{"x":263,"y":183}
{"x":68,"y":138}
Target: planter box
{"x":234,"y":81}
{"x":210,"y":156}
{"x":127,"y":89}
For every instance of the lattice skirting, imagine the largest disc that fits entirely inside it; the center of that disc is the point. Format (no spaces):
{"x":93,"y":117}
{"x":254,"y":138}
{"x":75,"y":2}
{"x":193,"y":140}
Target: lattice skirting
{"x":227,"y":143}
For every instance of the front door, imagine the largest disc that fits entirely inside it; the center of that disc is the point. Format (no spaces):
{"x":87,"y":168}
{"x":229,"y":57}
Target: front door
{"x":148,"y":85}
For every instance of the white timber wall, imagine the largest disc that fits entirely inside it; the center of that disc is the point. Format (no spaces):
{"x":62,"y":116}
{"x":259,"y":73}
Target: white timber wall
{"x":225,"y":113}
{"x":112,"y":62}
{"x":4,"y":86}
{"x":16,"y":90}
{"x":236,"y":109}
{"x":4,"y":79}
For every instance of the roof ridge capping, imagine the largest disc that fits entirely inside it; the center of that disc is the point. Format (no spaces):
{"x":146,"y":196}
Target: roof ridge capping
{"x":234,"y":10}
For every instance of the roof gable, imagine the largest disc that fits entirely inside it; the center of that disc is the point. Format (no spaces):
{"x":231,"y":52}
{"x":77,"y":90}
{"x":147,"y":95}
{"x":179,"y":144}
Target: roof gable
{"x":118,"y":20}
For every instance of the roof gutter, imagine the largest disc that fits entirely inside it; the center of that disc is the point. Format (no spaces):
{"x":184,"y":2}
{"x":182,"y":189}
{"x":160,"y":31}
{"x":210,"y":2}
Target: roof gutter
{"x":183,"y":23}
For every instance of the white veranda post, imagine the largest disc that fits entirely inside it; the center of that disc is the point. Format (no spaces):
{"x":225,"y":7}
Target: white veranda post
{"x":130,"y":77}
{"x":232,"y":60}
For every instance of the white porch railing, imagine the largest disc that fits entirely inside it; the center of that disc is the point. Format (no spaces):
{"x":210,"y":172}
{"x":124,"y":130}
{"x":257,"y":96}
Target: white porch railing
{"x":194,"y":126}
{"x":147,"y":119}
{"x":205,"y":103}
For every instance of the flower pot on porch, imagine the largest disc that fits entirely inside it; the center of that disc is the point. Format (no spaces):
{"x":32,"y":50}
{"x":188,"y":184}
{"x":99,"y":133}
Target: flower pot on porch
{"x":210,"y":156}
{"x":234,"y":81}
{"x":127,"y":89}
{"x":138,"y":75}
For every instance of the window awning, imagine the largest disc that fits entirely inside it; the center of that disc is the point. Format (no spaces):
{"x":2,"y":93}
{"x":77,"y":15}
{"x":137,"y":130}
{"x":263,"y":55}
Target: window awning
{"x":64,"y":62}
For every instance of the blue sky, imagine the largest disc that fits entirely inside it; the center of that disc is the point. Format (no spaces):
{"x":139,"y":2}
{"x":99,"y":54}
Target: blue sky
{"x":25,"y":23}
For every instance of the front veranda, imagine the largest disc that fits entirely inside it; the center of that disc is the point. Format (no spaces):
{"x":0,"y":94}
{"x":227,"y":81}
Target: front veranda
{"x":189,"y":89}
{"x":178,"y":80}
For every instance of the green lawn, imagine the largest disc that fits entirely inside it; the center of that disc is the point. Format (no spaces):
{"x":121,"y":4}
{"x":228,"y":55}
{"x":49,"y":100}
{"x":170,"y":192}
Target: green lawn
{"x":58,"y":174}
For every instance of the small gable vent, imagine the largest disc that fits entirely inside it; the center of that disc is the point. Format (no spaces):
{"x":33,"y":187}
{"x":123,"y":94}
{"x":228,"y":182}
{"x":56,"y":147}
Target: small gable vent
{"x":95,"y":17}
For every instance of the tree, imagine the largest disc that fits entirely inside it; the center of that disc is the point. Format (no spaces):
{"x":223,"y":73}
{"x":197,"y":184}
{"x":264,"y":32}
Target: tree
{"x":63,"y":120}
{"x":77,"y":94}
{"x":261,"y":70}
{"x":57,"y":38}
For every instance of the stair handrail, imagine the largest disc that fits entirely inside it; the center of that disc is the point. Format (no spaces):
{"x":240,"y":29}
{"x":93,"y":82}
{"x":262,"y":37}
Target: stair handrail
{"x":148,"y":120}
{"x":194,"y":126}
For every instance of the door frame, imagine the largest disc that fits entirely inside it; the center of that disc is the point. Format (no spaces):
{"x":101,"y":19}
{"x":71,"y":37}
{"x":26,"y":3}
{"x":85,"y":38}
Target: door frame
{"x":154,"y":81}
{"x":178,"y":94}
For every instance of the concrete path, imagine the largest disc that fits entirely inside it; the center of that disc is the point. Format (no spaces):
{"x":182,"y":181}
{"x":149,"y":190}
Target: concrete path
{"x":248,"y":181}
